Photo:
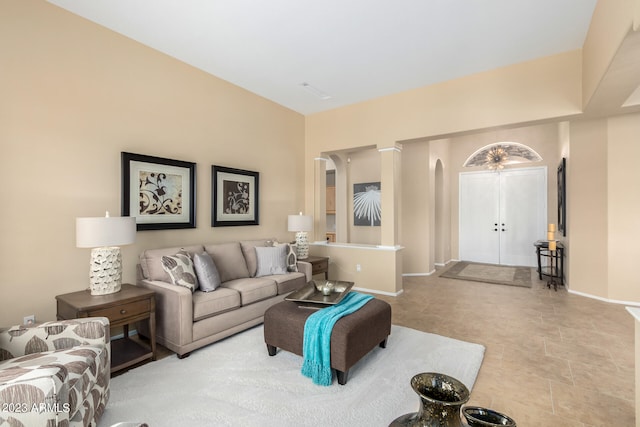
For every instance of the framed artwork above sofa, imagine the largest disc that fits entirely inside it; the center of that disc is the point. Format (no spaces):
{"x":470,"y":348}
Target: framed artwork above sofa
{"x":235,"y":199}
{"x":158,"y":192}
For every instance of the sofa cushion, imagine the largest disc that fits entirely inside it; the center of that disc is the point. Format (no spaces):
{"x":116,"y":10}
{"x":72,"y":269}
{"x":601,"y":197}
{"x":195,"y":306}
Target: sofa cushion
{"x":250,"y":254}
{"x":207,"y":304}
{"x":253,"y":289}
{"x":288,"y":282}
{"x":208,"y":276}
{"x":151,"y":261}
{"x":229,"y":260}
{"x":181,"y":270}
{"x":271,"y":260}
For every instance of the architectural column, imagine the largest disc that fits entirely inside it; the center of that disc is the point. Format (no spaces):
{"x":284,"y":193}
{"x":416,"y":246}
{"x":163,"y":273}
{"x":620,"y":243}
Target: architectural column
{"x":319,"y":199}
{"x":390,"y":158}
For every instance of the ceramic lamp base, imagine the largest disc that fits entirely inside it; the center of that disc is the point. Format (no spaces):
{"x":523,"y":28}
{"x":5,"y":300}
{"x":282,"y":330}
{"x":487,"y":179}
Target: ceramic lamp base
{"x":105,"y":274}
{"x":302,"y":243}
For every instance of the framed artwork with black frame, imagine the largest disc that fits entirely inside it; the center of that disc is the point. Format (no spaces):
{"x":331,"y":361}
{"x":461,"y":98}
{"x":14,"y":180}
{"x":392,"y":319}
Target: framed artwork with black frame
{"x":235,"y":198}
{"x":367,"y":206}
{"x":160,"y":193}
{"x":562,"y":197}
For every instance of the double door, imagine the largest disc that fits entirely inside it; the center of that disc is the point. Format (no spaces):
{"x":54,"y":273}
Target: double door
{"x":502,"y":214}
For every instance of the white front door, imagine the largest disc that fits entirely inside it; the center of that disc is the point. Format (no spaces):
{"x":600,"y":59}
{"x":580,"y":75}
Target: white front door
{"x":502,"y":214}
{"x":479,"y":217}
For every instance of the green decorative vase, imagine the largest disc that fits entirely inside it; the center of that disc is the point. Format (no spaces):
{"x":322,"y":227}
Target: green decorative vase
{"x":441,"y":398}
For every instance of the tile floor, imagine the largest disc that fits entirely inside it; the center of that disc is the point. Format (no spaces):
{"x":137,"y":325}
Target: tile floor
{"x":552,"y":358}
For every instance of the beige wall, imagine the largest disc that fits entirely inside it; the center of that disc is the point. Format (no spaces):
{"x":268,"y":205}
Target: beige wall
{"x":534,"y":90}
{"x":587,"y":207}
{"x":426,"y":209}
{"x":73,"y":96}
{"x":440,"y":152}
{"x":416,"y":208}
{"x":602,"y":207}
{"x":611,"y":22}
{"x":623,"y":207}
{"x":380,"y":268}
{"x":364,"y":166}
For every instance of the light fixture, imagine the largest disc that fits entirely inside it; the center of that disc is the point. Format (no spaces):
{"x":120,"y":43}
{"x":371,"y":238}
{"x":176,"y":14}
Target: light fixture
{"x":301,"y":224}
{"x":104,"y":235}
{"x":500,"y":154}
{"x":315,"y":91}
{"x":496,"y":157}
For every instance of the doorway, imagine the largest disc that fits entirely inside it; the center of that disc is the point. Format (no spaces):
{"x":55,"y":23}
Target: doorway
{"x":502,"y":214}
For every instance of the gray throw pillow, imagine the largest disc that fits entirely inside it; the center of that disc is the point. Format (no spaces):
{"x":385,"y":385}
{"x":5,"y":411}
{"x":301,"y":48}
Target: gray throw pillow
{"x":271,"y":260}
{"x":181,"y":271}
{"x":208,"y":276}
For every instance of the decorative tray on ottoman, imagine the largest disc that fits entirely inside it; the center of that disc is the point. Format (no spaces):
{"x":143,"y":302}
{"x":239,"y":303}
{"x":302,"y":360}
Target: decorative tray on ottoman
{"x":316,"y":293}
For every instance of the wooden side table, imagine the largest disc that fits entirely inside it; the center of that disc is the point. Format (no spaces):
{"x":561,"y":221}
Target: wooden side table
{"x":319,"y":265}
{"x":122,"y":308}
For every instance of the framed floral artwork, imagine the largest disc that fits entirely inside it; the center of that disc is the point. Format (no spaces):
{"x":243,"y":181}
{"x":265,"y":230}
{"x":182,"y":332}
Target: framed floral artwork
{"x":158,"y":192}
{"x":235,"y":198}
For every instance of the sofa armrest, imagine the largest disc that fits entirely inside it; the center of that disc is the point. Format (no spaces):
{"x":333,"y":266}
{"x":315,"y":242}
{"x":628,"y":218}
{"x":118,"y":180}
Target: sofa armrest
{"x":174,"y":311}
{"x":306,"y":268}
{"x":57,"y":335}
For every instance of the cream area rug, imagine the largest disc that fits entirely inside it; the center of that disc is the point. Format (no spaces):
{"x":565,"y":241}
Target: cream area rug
{"x":490,"y":273}
{"x":235,"y":382}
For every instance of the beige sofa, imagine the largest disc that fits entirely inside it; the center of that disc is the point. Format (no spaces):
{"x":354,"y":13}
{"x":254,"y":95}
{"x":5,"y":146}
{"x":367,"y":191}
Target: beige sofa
{"x":189,"y":320}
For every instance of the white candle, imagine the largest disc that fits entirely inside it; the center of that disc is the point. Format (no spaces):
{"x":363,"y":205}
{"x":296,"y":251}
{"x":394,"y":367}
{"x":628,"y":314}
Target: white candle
{"x":552,"y":227}
{"x":552,"y":245}
{"x":551,"y":235}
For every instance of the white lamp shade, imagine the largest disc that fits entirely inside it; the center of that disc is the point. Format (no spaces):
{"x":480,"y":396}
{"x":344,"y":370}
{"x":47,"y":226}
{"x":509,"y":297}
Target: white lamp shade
{"x":300,"y":223}
{"x":98,"y":232}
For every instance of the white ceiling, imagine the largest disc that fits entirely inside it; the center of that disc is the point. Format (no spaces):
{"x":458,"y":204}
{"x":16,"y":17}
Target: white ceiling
{"x":352,"y":50}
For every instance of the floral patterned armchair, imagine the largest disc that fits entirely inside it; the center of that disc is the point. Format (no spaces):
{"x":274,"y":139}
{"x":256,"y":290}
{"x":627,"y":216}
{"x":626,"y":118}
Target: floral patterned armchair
{"x":55,"y":373}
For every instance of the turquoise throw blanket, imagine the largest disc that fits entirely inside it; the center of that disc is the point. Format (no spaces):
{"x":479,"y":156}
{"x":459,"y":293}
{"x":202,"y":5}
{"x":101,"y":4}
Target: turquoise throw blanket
{"x":316,"y":344}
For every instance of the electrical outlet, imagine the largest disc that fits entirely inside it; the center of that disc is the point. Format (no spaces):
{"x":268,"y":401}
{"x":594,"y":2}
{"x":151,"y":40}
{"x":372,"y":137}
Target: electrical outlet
{"x":358,"y":268}
{"x":30,"y":319}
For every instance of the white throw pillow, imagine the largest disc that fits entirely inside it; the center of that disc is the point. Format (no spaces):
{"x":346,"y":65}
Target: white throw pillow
{"x":271,"y":260}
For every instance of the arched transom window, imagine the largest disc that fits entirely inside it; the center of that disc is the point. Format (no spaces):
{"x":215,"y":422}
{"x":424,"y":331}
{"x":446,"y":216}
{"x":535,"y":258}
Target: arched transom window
{"x":498,"y":155}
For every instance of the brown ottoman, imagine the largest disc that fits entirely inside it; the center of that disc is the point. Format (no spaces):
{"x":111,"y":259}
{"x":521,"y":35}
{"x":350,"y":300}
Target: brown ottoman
{"x":352,"y":337}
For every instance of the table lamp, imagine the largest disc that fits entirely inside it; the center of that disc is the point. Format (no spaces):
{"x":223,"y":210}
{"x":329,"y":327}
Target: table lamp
{"x":301,"y":224}
{"x":104,"y":235}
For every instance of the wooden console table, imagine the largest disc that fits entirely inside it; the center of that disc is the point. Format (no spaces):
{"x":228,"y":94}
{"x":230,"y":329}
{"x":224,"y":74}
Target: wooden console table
{"x":131,"y":304}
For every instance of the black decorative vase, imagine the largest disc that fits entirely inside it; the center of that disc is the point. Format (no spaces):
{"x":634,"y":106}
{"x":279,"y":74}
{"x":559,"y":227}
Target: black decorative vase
{"x":441,"y":398}
{"x":482,"y":417}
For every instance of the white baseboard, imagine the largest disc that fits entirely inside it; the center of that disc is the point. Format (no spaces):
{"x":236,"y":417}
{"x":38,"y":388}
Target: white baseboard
{"x":613,"y":301}
{"x":418,"y":274}
{"x":373,"y":291}
{"x":437,"y":264}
